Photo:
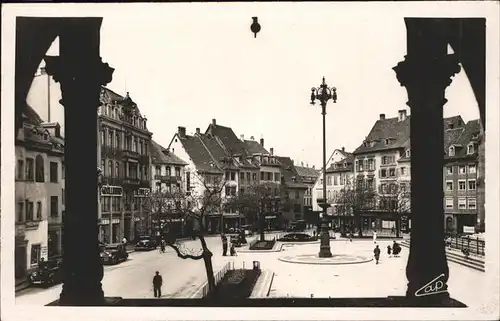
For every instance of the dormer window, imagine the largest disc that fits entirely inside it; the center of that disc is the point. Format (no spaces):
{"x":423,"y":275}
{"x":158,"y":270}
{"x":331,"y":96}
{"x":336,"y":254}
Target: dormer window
{"x":470,"y":149}
{"x":407,"y":153}
{"x":451,"y":151}
{"x":387,"y":141}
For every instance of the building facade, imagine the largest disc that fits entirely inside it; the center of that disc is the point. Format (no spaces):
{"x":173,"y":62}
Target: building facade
{"x":125,"y":166}
{"x":309,"y":176}
{"x":169,"y":176}
{"x":39,"y":192}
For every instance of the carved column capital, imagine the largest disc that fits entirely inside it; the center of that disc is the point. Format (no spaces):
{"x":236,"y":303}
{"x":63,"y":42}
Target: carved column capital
{"x":417,"y":73}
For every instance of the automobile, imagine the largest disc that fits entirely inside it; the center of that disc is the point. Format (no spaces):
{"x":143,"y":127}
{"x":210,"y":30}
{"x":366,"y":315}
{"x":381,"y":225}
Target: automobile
{"x":47,"y":273}
{"x":152,"y":239}
{"x":238,"y":240}
{"x":145,"y":245}
{"x":114,"y":253}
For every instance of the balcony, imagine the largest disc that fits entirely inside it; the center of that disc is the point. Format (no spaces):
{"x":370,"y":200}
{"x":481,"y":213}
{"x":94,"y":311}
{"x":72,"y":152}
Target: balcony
{"x":112,"y":181}
{"x":130,"y":181}
{"x":130,"y":154}
{"x":168,"y":179}
{"x":55,"y":220}
{"x":32,"y":225}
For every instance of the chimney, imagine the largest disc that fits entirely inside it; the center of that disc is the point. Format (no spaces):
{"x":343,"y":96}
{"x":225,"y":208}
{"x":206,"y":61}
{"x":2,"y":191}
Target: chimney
{"x":302,"y":164}
{"x":402,"y":114}
{"x":197,"y":131}
{"x":262,"y":142}
{"x":343,"y":149}
{"x":252,"y":138}
{"x":214,"y":122}
{"x":314,"y":166}
{"x":271,"y":150}
{"x":181,"y":131}
{"x":242,"y":137}
{"x":382,"y":116}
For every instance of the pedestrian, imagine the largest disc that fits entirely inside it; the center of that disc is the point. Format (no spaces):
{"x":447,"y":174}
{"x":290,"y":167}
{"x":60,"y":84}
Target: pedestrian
{"x":392,"y":230}
{"x":374,"y":237}
{"x":224,"y":245}
{"x":157,"y":283}
{"x":162,"y":246}
{"x":396,"y":249}
{"x":233,"y":250}
{"x":376,"y":253}
{"x":389,"y":250}
{"x":124,"y":240}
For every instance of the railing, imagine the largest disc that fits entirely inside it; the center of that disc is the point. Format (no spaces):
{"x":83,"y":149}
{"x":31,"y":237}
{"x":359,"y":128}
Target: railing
{"x":473,"y":245}
{"x":218,"y":277}
{"x":130,"y":154}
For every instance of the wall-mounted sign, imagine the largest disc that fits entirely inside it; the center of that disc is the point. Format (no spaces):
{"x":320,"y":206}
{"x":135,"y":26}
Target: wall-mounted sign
{"x":108,"y":190}
{"x":105,"y":221}
{"x":469,"y":229}
{"x":142,"y":192}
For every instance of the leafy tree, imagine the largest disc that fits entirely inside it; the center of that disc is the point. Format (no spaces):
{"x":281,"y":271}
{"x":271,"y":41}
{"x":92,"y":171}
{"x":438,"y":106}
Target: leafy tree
{"x":192,"y":207}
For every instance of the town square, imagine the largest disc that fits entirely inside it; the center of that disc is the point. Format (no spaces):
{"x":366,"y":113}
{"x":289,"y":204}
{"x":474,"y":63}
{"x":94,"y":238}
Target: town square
{"x":218,"y":162}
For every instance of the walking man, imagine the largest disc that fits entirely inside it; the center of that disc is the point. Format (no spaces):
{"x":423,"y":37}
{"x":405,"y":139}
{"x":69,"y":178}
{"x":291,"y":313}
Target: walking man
{"x":376,"y":253}
{"x":157,"y":283}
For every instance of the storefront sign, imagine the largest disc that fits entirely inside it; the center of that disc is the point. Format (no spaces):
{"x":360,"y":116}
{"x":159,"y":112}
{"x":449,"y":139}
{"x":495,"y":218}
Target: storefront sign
{"x":469,"y":229}
{"x":270,"y":217}
{"x":142,"y":192}
{"x":107,"y":190}
{"x":105,"y":221}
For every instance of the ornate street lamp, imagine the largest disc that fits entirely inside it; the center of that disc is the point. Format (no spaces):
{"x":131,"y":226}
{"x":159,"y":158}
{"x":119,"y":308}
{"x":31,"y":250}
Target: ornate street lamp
{"x":323,"y":93}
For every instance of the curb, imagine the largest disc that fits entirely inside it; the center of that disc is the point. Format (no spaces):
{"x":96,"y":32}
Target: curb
{"x":21,"y":286}
{"x":365,"y":260}
{"x":263,"y":289}
{"x":276,"y":248}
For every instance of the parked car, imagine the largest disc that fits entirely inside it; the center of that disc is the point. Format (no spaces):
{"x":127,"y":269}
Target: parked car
{"x":238,"y":240}
{"x":114,"y":253}
{"x":47,"y":273}
{"x":145,"y":245}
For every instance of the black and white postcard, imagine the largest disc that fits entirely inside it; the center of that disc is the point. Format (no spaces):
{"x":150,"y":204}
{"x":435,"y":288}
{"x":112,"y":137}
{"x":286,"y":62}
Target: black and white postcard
{"x":250,"y":161}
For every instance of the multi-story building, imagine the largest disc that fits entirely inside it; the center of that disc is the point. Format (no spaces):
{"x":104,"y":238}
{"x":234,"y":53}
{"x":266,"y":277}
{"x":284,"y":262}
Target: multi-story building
{"x":124,"y":162}
{"x":460,"y":176}
{"x":309,"y":176}
{"x":167,"y":175}
{"x":317,"y":193}
{"x":39,"y":192}
{"x":293,"y":190}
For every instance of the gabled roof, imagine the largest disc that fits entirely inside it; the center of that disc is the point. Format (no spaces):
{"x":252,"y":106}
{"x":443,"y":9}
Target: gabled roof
{"x":109,"y":96}
{"x":161,"y":155}
{"x":307,"y":171}
{"x":334,"y":168}
{"x":254,"y":147}
{"x":289,"y":172}
{"x":199,"y":154}
{"x":460,"y":138}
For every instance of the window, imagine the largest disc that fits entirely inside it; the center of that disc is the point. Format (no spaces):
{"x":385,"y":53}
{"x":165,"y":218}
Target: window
{"x":54,"y":206}
{"x":254,"y":176}
{"x":461,"y":203}
{"x":178,"y":173}
{"x":249,"y":176}
{"x":168,"y":170}
{"x":117,"y":169}
{"x":276,"y":177}
{"x":470,"y":149}
{"x":329,"y":181}
{"x":36,"y":253}
{"x":145,"y":172}
{"x":387,"y":142}
{"x":359,"y":165}
{"x":228,"y":190}
{"x":20,"y":212}
{"x":392,"y":172}
{"x":40,"y":175}
{"x":53,"y":172}
{"x":29,"y":211}
{"x":146,"y":149}
{"x":407,"y":153}
{"x":269,"y":176}
{"x":102,"y":137}
{"x":449,"y":170}
{"x":471,"y":203}
{"x":371,"y":164}
{"x":449,"y":203}
{"x":110,"y":138}
{"x":383,"y":188}
{"x":39,"y":211}
{"x":403,"y":170}
{"x":461,"y":185}
{"x":29,"y":169}
{"x":188,"y":181}
{"x":63,"y":172}
{"x":233,"y":174}
{"x":370,"y":183}
{"x":472,"y":169}
{"x":63,"y":196}
{"x":383,"y":173}
{"x":242,"y":176}
{"x":449,"y":186}
{"x":136,"y":146}
{"x":110,"y":168}
{"x":20,"y":169}
{"x":158,"y":170}
{"x":451,"y":151}
{"x":140,"y":147}
{"x":335,"y":180}
{"x":103,"y":167}
{"x":462,"y":169}
{"x":472,"y":184}
{"x":117,"y":141}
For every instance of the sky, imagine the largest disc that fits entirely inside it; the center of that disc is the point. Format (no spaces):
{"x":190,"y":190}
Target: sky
{"x":185,"y":65}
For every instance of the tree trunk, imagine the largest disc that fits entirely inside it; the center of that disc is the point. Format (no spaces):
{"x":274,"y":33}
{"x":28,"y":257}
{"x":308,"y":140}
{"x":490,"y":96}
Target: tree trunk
{"x":398,"y":225}
{"x":207,"y":259}
{"x":262,"y":221}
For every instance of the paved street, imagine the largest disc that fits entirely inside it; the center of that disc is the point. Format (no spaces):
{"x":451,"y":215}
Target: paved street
{"x":183,"y":277}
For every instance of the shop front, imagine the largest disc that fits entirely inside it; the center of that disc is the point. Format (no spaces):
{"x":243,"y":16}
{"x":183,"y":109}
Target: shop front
{"x":229,"y":222}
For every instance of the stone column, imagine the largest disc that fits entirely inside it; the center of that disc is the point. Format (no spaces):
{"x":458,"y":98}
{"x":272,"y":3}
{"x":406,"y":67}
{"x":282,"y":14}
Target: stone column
{"x":426,"y":72}
{"x":81,"y":73}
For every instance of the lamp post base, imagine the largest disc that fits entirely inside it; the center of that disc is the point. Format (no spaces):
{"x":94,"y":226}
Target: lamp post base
{"x":324,"y":249}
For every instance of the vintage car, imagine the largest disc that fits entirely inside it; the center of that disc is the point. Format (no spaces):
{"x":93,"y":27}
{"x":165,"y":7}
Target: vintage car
{"x":238,"y":240}
{"x":114,"y":253}
{"x":145,"y":245}
{"x":47,"y":273}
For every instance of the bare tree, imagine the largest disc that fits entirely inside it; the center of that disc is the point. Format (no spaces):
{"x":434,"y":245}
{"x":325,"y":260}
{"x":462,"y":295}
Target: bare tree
{"x":191,"y":207}
{"x":356,"y":197}
{"x":256,"y":201}
{"x":395,"y":198}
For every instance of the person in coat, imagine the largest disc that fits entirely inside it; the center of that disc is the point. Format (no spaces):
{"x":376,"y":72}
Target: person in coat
{"x":376,"y":253}
{"x":389,"y":250}
{"x":157,"y":283}
{"x":232,"y":250}
{"x":224,"y":245}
